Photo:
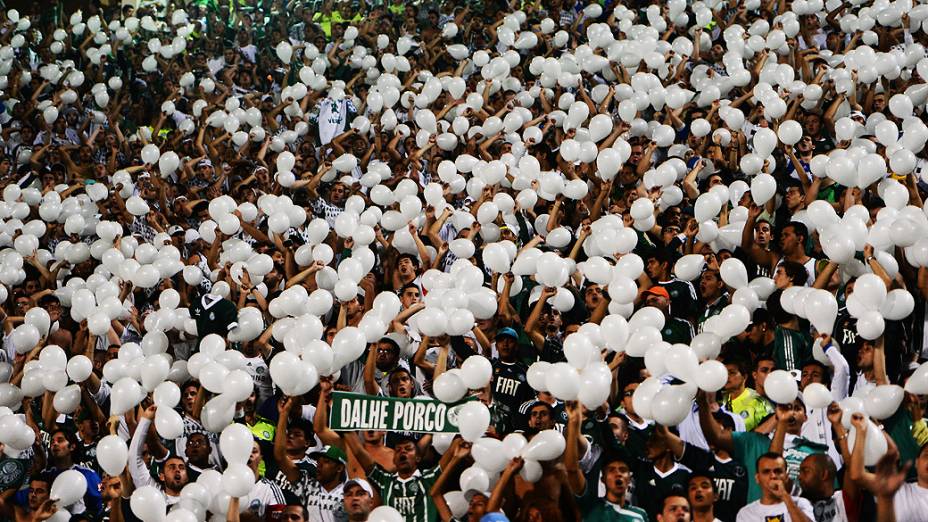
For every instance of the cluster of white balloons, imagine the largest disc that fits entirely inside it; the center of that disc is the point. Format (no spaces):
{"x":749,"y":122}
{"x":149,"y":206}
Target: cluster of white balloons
{"x":221,"y":372}
{"x":492,"y":455}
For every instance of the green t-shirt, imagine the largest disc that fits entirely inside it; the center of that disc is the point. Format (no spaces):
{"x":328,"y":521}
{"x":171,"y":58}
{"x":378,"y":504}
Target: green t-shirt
{"x":750,"y":445}
{"x":899,"y":427}
{"x":411,"y":496}
{"x":603,"y":511}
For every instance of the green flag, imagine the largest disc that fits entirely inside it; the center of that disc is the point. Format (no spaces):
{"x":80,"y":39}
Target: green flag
{"x":356,"y":411}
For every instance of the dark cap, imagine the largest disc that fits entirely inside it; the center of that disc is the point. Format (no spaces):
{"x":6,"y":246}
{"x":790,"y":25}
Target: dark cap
{"x":507,"y":332}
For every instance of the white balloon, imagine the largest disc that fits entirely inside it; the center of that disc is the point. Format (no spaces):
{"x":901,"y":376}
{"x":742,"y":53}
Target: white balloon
{"x":783,"y":388}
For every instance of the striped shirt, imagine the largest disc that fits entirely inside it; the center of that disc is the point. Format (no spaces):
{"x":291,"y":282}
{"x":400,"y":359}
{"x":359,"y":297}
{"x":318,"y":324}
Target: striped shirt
{"x":408,"y":496}
{"x":322,"y":505}
{"x":791,"y":348}
{"x":264,"y":493}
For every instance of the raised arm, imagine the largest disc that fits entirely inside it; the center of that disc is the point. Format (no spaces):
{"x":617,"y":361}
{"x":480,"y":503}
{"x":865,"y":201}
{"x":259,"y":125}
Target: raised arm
{"x":575,"y":449}
{"x":715,"y":433}
{"x":321,"y":418}
{"x":286,"y":465}
{"x":357,"y":449}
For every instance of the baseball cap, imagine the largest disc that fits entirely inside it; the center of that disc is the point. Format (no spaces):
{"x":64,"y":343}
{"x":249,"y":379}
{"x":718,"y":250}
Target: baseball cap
{"x":469,"y":494}
{"x":391,"y":341}
{"x":191,"y":235}
{"x":361,"y":483}
{"x":657,"y":290}
{"x":494,"y":517}
{"x":205,"y":163}
{"x":176,"y":229}
{"x":507,"y":331}
{"x":331,"y":452}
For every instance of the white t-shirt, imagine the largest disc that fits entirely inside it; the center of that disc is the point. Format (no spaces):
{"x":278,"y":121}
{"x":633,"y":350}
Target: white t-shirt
{"x":257,"y":368}
{"x":264,"y":493}
{"x":756,"y":511}
{"x":911,"y":503}
{"x":832,"y":509}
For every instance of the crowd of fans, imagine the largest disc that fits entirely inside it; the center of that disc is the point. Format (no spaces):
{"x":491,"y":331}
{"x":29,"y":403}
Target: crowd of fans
{"x":671,"y":255}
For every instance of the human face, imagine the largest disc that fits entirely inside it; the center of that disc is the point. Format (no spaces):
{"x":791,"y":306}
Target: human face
{"x":410,"y":297}
{"x":780,"y":279}
{"x":619,"y":429}
{"x":293,"y":514}
{"x":676,"y":509}
{"x":23,"y":304}
{"x":405,"y":457}
{"x":636,"y":154}
{"x":387,"y":356}
{"x":506,"y":346}
{"x":762,"y":234}
{"x":811,"y":373}
{"x":921,"y":467}
{"x":353,"y":307}
{"x":406,"y":267}
{"x":700,"y":492}
{"x":710,"y":285}
{"x":38,"y":493}
{"x":735,"y":379}
{"x":89,"y":429}
{"x":655,"y":269}
{"x":198,"y":449}
{"x":593,"y":296}
{"x":190,"y":397}
{"x":812,"y":125}
{"x":551,"y":319}
{"x":174,"y":475}
{"x":769,"y":472}
{"x":328,"y":470}
{"x":402,"y":386}
{"x":805,"y":145}
{"x":809,"y":477}
{"x":254,"y":459}
{"x":879,"y":102}
{"x":60,"y":447}
{"x":627,"y":394}
{"x":760,"y":374}
{"x":616,"y":476}
{"x":865,"y":356}
{"x":540,"y":418}
{"x":795,"y":415}
{"x":357,"y":501}
{"x":296,"y":440}
{"x":339,"y":193}
{"x":793,"y":197}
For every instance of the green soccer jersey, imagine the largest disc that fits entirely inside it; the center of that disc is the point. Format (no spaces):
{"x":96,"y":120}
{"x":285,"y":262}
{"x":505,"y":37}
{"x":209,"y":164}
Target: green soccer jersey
{"x":603,"y":511}
{"x":750,"y":445}
{"x":791,"y":348}
{"x":410,"y":496}
{"x":677,"y":331}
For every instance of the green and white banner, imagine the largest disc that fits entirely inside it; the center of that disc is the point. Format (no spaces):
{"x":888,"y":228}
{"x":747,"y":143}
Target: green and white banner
{"x":356,"y":411}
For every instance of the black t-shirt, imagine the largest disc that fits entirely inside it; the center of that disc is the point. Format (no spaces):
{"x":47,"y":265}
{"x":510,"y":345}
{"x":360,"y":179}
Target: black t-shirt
{"x":651,"y":486}
{"x":730,"y":480}
{"x":682,"y":297}
{"x":214,"y":314}
{"x":510,"y":387}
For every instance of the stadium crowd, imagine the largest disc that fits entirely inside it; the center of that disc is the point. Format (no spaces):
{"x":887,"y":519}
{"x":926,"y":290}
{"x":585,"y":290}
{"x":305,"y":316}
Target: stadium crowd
{"x":631,"y":261}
